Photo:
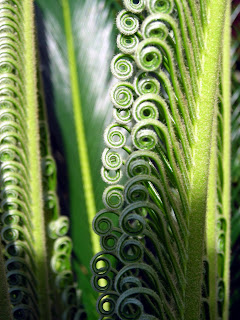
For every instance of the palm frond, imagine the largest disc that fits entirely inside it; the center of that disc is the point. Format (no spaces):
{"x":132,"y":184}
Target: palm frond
{"x":157,"y":161}
{"x":37,"y":266}
{"x":23,"y":223}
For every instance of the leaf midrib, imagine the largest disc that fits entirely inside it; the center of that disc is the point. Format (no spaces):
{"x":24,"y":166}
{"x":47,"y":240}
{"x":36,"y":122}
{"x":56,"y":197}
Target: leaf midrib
{"x":34,"y":162}
{"x":207,"y":81}
{"x":79,"y":127}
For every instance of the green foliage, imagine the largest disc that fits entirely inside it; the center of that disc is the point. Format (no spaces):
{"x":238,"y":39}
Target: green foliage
{"x":35,"y":251}
{"x":163,"y":145}
{"x":164,"y":230}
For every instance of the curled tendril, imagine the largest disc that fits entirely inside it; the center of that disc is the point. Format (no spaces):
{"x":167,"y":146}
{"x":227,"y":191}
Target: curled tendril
{"x":59,"y":227}
{"x":14,"y":217}
{"x":111,"y":160}
{"x":145,"y":83}
{"x":102,"y":283}
{"x":129,"y":250}
{"x":103,"y":222}
{"x":63,"y":245}
{"x":122,"y":66}
{"x":7,"y":67}
{"x":49,"y":172}
{"x":127,"y":22}
{"x":18,"y":278}
{"x":19,"y":249}
{"x":120,"y":284}
{"x":145,"y":139}
{"x":130,"y":306}
{"x":106,"y":304}
{"x":122,"y":116}
{"x":147,"y":56}
{"x":137,"y":166}
{"x":7,"y":154}
{"x":6,"y":116}
{"x":137,"y":193}
{"x":132,"y":223}
{"x":12,"y":179}
{"x":100,"y":265}
{"x":144,"y":110}
{"x":49,"y":166}
{"x":12,"y":105}
{"x":12,"y":192}
{"x":152,"y":27}
{"x":122,"y":95}
{"x":113,"y":197}
{"x":127,"y":44}
{"x":160,"y":6}
{"x":135,"y":6}
{"x":114,"y":138}
{"x":10,"y":233}
{"x":109,"y":242}
{"x":51,"y":202}
{"x":129,"y":282}
{"x":60,"y":262}
{"x":19,"y":295}
{"x":110,"y":176}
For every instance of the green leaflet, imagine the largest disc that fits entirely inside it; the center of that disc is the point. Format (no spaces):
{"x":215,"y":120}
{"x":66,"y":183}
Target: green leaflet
{"x":152,"y":230}
{"x":80,"y":44}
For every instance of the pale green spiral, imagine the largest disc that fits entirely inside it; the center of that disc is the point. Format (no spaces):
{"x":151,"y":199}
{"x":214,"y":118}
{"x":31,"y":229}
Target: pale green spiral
{"x":127,"y":22}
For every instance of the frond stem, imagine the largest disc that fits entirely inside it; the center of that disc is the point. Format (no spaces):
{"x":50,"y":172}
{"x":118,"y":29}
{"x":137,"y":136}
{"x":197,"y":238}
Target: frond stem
{"x":205,"y":103}
{"x":34,"y":161}
{"x":226,"y":151}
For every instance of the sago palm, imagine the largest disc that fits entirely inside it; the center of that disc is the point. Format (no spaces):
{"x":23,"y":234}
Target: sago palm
{"x":163,"y":221}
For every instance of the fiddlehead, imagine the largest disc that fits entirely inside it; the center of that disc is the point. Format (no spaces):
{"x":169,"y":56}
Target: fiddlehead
{"x":136,"y":212}
{"x":142,"y":271}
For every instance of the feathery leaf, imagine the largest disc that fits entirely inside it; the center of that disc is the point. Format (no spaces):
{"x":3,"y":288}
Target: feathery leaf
{"x":157,"y":162}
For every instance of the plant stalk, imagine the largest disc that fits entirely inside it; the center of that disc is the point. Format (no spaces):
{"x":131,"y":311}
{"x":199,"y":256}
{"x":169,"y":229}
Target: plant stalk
{"x":211,"y":232}
{"x":34,"y":160}
{"x":205,"y":102}
{"x":226,"y":85}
